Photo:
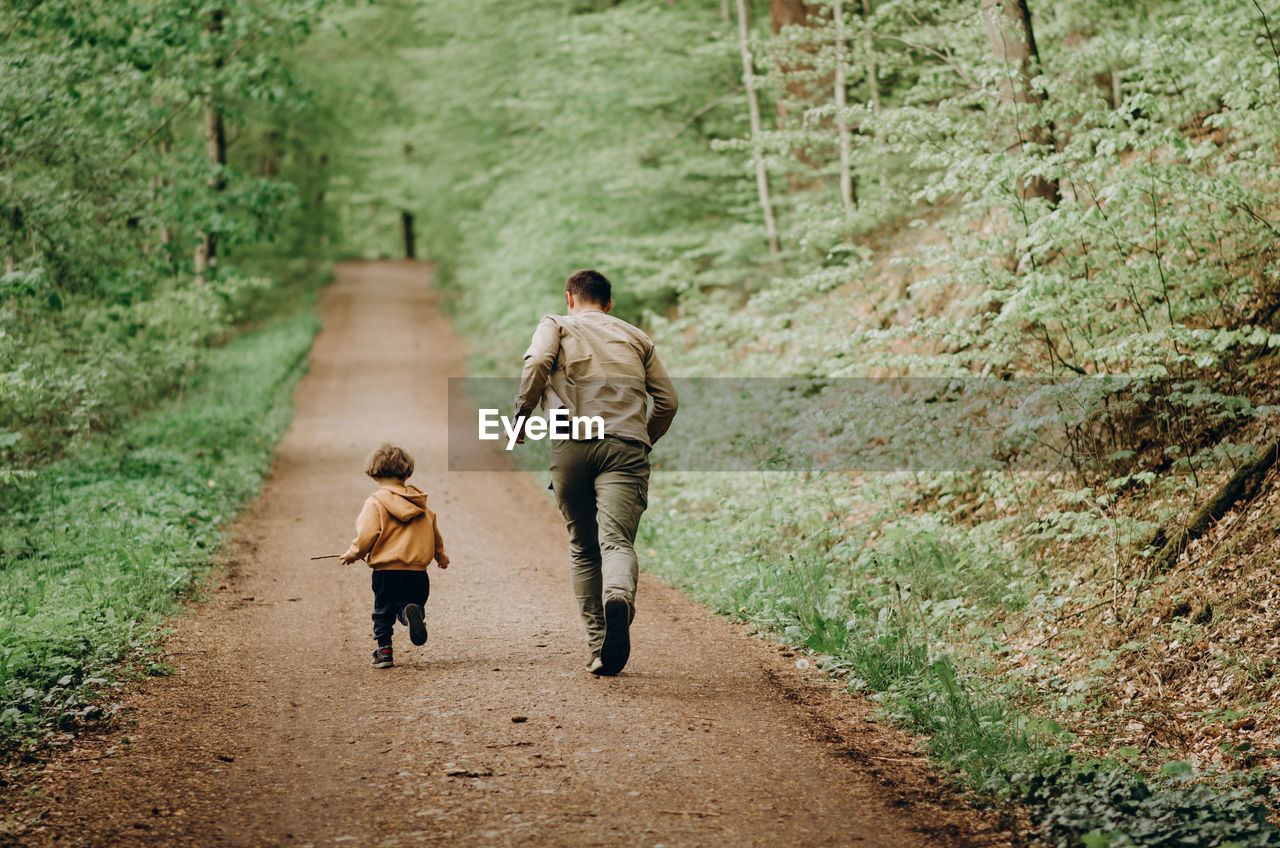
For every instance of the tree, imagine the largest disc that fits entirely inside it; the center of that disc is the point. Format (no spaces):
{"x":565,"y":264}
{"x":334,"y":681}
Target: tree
{"x":873,"y":69}
{"x":800,"y":88}
{"x":753,"y":108}
{"x":847,"y":192}
{"x":1014,"y":43}
{"x":115,"y":134}
{"x":215,"y":139}
{"x":785,"y":13}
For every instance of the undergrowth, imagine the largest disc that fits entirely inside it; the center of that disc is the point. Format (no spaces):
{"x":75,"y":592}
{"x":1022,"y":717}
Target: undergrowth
{"x":98,"y":548}
{"x":909,"y":610}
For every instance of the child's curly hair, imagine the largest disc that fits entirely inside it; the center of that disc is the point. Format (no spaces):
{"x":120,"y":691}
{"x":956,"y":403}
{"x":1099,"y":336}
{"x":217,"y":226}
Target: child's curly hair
{"x":389,"y":461}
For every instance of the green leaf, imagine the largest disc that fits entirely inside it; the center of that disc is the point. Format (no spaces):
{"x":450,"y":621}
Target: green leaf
{"x":1095,"y":839}
{"x":1178,"y":769}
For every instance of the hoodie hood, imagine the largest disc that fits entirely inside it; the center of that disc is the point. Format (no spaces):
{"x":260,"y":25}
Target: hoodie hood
{"x":404,"y":504}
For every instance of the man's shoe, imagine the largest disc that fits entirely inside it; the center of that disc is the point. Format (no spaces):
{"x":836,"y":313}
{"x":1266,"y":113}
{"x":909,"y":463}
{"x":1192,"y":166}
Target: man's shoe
{"x":617,"y":636}
{"x":417,"y":628}
{"x":382,"y":658}
{"x":595,"y":665}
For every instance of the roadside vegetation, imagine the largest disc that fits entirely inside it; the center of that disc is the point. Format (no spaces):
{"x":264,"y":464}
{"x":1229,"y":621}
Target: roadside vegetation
{"x":1075,"y":200}
{"x":161,"y":219}
{"x":102,"y":545}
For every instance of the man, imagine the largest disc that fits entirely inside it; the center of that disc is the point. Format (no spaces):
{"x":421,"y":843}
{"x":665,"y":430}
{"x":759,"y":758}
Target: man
{"x":593,"y":364}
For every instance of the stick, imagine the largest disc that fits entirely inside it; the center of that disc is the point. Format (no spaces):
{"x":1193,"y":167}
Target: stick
{"x":327,"y":556}
{"x":1245,"y":485}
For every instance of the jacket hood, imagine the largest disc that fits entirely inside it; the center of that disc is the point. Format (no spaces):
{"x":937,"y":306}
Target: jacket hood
{"x":404,"y":504}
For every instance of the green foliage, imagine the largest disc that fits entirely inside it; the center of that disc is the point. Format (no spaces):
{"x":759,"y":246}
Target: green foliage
{"x":97,"y":548}
{"x":64,"y":377}
{"x":531,"y":142}
{"x":106,"y":185}
{"x":770,"y":555}
{"x":873,"y":610}
{"x":1153,"y":263}
{"x":105,"y":137}
{"x":1094,"y":806}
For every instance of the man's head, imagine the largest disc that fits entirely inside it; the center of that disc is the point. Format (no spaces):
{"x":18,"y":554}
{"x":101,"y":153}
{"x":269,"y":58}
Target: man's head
{"x":588,"y":290}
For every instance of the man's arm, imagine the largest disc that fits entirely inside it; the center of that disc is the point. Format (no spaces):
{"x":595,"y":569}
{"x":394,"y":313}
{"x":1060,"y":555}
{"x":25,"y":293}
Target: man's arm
{"x":539,"y":359}
{"x":665,"y":403}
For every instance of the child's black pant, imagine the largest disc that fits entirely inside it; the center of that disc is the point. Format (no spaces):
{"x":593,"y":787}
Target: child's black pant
{"x":392,"y":592}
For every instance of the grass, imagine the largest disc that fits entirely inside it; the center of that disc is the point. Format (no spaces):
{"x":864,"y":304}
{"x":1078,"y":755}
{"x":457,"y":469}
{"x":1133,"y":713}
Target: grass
{"x":906,"y":610}
{"x":97,"y":549}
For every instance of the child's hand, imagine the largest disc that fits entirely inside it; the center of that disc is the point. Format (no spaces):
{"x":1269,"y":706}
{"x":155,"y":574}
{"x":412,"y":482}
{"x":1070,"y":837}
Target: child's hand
{"x":348,"y":558}
{"x":442,"y":560}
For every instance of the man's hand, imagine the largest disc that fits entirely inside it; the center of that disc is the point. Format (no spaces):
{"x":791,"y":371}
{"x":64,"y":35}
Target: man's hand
{"x":442,"y":560}
{"x":348,"y":558}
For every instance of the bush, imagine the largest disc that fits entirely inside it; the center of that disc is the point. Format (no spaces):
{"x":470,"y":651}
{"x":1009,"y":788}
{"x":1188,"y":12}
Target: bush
{"x":99,"y":547}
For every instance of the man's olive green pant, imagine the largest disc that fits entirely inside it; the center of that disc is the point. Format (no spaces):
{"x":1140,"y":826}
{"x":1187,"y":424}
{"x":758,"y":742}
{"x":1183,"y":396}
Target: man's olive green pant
{"x":602,"y":488}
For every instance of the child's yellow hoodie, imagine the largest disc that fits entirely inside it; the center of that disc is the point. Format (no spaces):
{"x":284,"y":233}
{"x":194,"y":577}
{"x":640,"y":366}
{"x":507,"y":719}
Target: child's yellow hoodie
{"x":396,"y":531}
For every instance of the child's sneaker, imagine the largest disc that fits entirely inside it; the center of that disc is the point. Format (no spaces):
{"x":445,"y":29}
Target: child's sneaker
{"x":382,"y":657}
{"x":417,"y":627}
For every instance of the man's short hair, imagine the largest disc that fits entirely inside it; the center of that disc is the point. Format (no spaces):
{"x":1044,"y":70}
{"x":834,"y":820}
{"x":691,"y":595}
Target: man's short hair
{"x":590,"y":286}
{"x":389,"y":461}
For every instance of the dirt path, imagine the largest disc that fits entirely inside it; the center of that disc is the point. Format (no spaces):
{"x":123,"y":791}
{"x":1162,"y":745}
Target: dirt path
{"x":276,"y":731}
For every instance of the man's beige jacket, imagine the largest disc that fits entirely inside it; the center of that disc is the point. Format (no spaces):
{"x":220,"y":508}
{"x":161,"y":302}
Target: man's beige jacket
{"x":594,"y":364}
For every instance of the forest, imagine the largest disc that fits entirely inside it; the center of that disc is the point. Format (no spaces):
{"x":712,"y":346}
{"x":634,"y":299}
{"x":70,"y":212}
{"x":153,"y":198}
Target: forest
{"x":950,"y":208}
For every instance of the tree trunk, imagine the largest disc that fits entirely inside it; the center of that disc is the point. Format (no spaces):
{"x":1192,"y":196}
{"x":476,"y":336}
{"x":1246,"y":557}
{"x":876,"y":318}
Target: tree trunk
{"x":11,"y":252}
{"x":215,"y":140}
{"x":406,"y":224}
{"x":785,"y":13}
{"x":1108,"y":82}
{"x":753,"y":109}
{"x":322,"y":160}
{"x":724,"y":10}
{"x":800,"y":90}
{"x":842,"y":126}
{"x":269,"y":161}
{"x":215,"y":136}
{"x":159,"y":183}
{"x":873,"y":67}
{"x":1244,"y":484}
{"x":1014,"y":43}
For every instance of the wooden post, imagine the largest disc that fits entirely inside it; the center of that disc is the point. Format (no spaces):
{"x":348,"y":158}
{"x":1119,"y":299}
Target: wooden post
{"x":406,"y":224}
{"x":753,"y":109}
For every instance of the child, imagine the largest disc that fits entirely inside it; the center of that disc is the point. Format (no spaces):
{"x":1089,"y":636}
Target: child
{"x":397,"y":536}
